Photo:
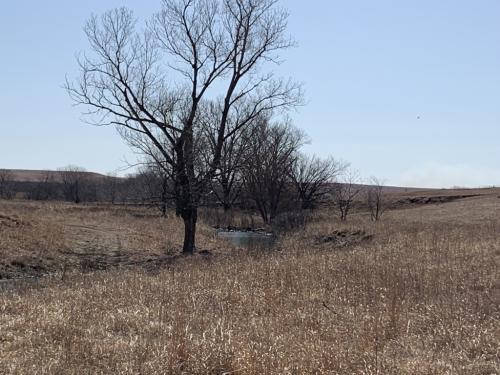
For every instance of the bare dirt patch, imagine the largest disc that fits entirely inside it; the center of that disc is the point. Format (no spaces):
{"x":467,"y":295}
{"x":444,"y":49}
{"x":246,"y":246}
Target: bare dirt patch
{"x":343,"y":238}
{"x":8,"y":221}
{"x":432,"y":199}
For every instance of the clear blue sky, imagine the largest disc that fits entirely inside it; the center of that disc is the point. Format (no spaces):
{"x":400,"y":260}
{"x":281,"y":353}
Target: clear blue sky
{"x":406,"y":90}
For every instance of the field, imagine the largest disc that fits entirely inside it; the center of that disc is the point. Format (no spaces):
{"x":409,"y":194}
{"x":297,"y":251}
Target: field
{"x":417,"y":293}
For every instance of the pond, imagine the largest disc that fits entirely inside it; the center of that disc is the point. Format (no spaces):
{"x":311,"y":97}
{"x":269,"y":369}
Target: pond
{"x":249,"y":239}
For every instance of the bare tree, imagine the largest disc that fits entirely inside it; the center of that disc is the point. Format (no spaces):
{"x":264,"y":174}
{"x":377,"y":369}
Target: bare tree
{"x":45,"y":188}
{"x":208,"y":45}
{"x":6,"y":180}
{"x":271,"y":154}
{"x":73,"y":179}
{"x":157,"y":186}
{"x":132,"y":189}
{"x":313,"y":177}
{"x":228,"y":181}
{"x":109,"y":187}
{"x":376,"y":200}
{"x":345,"y":191}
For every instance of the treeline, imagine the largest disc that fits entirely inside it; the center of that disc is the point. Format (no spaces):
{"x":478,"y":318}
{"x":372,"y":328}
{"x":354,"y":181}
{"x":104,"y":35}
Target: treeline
{"x":72,"y":184}
{"x":271,"y":177}
{"x":263,"y":170}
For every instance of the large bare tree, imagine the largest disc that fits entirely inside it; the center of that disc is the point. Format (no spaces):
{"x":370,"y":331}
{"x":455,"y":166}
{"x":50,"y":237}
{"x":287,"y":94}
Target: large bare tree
{"x":271,"y":155}
{"x":216,"y":53}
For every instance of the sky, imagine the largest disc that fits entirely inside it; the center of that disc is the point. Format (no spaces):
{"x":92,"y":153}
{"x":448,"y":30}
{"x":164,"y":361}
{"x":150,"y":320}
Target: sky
{"x":405,"y":90}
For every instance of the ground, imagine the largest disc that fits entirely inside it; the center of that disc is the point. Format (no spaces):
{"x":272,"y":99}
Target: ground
{"x":417,"y":293}
{"x":45,"y":238}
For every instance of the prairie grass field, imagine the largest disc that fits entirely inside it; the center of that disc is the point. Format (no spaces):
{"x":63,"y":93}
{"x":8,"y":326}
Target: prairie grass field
{"x":416,"y":293}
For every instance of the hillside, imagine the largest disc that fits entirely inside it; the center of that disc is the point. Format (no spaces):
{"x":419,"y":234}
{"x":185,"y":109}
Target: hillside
{"x":27,"y":175}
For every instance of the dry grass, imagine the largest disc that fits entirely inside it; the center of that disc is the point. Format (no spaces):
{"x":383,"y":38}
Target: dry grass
{"x":30,"y":243}
{"x":41,"y":238}
{"x":422,"y":297}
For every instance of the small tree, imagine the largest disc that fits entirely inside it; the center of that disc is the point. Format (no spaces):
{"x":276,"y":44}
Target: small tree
{"x":345,"y":191}
{"x":377,"y":203}
{"x":73,"y":179}
{"x":157,"y":186}
{"x":109,"y":187}
{"x":313,"y":177}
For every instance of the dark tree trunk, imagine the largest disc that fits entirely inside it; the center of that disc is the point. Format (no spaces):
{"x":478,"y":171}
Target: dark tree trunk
{"x":187,"y":201}
{"x":190,"y":217}
{"x":164,"y":197}
{"x":265,"y":216}
{"x":77,"y":193}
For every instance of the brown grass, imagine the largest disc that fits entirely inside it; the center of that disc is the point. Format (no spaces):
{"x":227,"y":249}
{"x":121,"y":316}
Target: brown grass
{"x":30,"y":243}
{"x":422,"y":297}
{"x":42,"y":238}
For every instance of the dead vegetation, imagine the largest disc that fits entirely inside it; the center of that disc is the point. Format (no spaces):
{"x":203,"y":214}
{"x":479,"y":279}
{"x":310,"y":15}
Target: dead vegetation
{"x":422,"y":296}
{"x":38,"y":239}
{"x":29,"y":246}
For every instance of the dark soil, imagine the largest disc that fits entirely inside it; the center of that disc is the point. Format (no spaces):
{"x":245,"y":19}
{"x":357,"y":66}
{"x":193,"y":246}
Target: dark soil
{"x":343,"y":238}
{"x":432,"y":200}
{"x":24,"y":268}
{"x":10,"y":221}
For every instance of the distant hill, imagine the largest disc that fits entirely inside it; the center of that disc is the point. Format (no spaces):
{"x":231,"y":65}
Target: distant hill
{"x":457,"y":192}
{"x":401,"y":189}
{"x":27,"y":175}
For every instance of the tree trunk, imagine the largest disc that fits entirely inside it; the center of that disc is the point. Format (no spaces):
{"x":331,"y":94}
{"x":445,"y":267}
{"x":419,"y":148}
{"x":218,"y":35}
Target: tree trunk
{"x":188,"y":199}
{"x":190,"y":216}
{"x":77,"y":193}
{"x":164,"y":197}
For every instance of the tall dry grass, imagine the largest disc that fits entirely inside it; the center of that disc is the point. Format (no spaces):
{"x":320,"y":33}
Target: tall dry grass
{"x":38,"y":238}
{"x":30,"y":242}
{"x":422,"y":297}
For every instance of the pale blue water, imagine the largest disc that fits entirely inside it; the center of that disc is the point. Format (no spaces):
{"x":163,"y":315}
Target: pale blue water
{"x":249,"y":239}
